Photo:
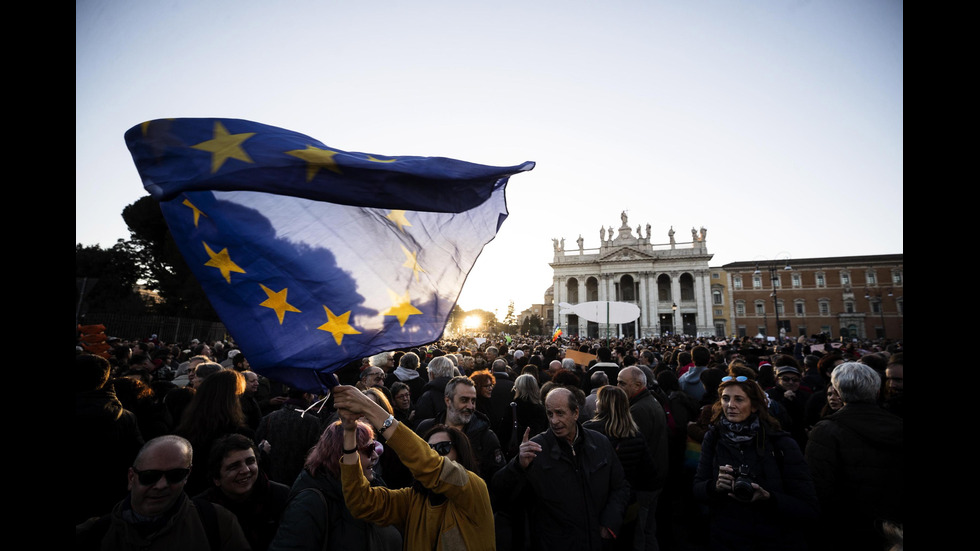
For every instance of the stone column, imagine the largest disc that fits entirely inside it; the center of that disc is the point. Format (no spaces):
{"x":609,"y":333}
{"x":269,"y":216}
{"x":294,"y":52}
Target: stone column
{"x":675,"y":295}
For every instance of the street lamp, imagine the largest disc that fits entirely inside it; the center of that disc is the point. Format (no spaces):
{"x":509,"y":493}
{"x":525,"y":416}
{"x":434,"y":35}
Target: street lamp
{"x":772,"y":266}
{"x":877,"y":293}
{"x":673,"y":316}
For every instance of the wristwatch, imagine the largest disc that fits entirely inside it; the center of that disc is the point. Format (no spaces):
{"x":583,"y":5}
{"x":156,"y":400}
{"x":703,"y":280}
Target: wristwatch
{"x":384,"y":426}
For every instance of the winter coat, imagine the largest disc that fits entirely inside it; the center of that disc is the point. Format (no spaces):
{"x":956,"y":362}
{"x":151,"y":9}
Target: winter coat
{"x":311,"y":517}
{"x":857,"y":458}
{"x":570,"y":495}
{"x":775,"y":463}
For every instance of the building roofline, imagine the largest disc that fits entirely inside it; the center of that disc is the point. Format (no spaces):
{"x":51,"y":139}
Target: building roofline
{"x":821,"y":261}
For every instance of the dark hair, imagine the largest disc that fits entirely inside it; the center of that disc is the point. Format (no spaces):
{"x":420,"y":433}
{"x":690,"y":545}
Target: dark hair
{"x":684,"y":358}
{"x":91,"y":372}
{"x":701,"y":355}
{"x":223,"y":446}
{"x":464,"y":451}
{"x":756,"y":395}
{"x":215,"y":408}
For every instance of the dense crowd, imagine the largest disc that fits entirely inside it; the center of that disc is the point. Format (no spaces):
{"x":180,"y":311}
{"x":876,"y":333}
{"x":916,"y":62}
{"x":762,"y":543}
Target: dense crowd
{"x":497,"y":442}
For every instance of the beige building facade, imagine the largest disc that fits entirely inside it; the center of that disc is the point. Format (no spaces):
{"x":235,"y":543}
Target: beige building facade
{"x":669,"y":281}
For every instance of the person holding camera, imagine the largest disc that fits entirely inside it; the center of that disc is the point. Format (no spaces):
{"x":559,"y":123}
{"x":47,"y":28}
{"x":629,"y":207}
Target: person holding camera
{"x":752,"y":475}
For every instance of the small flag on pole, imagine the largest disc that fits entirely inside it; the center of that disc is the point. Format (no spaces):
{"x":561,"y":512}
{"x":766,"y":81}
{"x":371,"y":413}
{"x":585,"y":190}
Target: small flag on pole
{"x":557,"y":332}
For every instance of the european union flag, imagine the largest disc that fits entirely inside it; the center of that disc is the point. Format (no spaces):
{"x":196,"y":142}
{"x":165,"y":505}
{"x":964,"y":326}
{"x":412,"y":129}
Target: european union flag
{"x":311,"y":255}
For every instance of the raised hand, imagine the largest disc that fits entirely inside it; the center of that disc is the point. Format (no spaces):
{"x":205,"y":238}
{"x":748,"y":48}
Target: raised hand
{"x":528,"y":450}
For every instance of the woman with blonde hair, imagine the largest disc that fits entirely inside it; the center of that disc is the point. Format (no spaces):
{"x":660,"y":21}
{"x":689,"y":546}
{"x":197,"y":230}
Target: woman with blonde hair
{"x":614,"y":420}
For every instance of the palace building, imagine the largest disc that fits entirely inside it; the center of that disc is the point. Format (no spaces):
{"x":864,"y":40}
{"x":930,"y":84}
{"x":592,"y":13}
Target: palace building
{"x":670,"y":282}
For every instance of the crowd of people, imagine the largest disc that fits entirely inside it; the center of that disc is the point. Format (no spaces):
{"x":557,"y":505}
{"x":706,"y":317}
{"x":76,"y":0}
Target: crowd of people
{"x":497,"y":443}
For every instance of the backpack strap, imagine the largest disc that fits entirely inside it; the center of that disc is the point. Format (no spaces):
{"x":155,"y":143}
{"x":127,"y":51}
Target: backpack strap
{"x":209,"y":518}
{"x":331,"y":517}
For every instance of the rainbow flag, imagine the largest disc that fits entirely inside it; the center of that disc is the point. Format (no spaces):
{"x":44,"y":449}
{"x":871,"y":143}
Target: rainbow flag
{"x":557,"y":333}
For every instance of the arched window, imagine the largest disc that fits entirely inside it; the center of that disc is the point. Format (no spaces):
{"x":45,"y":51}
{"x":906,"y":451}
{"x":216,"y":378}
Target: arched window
{"x":663,"y":288}
{"x":626,"y":289}
{"x":687,"y":287}
{"x":591,"y":289}
{"x":572,"y":289}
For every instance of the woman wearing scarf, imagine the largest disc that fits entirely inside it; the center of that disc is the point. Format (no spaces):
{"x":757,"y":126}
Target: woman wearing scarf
{"x":752,"y":475}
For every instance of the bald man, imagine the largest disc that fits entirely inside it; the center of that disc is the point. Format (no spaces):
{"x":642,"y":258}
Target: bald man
{"x":157,"y":514}
{"x":570,"y":476}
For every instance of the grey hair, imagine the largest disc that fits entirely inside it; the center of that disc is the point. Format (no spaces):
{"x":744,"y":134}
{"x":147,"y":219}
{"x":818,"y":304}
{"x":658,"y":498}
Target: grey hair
{"x":440,"y":366}
{"x":568,"y":364}
{"x":456,"y":381}
{"x":856,"y":382}
{"x":409,"y":361}
{"x":381,"y":360}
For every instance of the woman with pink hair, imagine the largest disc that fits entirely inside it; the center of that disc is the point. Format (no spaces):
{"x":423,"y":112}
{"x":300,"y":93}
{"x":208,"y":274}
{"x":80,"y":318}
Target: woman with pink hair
{"x":316,"y":516}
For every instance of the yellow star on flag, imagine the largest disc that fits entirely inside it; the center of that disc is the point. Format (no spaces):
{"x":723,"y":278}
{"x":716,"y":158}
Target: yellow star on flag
{"x":225,"y":146}
{"x":399,"y":218}
{"x":377,"y":160}
{"x":197,"y":212}
{"x":223,"y":262}
{"x":412,"y":261}
{"x":316,"y":159}
{"x":277,"y":301}
{"x":401,"y":307}
{"x":338,"y":326}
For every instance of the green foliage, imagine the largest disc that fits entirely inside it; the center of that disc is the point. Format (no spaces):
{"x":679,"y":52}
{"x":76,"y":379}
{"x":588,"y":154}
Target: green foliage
{"x":108,"y":279}
{"x":161,"y":264}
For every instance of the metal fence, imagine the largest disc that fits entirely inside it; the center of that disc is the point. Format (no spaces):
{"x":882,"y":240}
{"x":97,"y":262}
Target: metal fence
{"x":168,"y":329}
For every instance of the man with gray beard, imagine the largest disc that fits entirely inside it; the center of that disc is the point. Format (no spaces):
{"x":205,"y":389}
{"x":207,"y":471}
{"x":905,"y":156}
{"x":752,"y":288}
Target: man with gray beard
{"x":461,"y":414}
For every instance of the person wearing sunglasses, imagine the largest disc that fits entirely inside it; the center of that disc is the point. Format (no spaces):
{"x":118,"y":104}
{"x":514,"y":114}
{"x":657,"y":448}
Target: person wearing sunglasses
{"x":448,"y":506}
{"x":317,"y":516}
{"x":157,"y":514}
{"x":752,"y":475}
{"x":792,"y":396}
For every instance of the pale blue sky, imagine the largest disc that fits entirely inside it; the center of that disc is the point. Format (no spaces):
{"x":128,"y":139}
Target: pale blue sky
{"x":777,"y":125}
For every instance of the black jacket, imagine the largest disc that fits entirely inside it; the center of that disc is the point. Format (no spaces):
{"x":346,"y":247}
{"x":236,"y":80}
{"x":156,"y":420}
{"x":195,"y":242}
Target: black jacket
{"x":857,"y":458}
{"x":778,"y":467}
{"x":570,"y":496}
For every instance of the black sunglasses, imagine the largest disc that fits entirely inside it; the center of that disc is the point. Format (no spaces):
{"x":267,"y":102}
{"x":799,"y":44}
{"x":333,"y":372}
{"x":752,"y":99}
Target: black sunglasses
{"x":151,"y":476}
{"x":442,"y":448}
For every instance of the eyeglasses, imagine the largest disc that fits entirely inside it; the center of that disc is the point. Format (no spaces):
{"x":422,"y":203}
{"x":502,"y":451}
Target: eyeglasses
{"x":740,"y":378}
{"x":370,"y":447}
{"x":790,"y":379}
{"x":150,"y":477}
{"x":442,"y":448}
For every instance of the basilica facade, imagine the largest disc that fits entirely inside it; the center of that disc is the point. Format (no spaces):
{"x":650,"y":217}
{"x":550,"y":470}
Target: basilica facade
{"x":670,"y":282}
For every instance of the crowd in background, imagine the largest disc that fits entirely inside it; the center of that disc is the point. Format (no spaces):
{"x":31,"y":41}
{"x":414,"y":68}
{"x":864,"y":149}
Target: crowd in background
{"x":717,"y":444}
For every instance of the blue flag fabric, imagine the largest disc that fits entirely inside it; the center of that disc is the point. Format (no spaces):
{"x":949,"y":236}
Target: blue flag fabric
{"x":314,"y":256}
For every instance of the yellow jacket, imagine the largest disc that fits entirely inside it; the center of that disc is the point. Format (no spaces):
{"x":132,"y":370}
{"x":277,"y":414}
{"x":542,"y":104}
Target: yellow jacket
{"x":463,"y":521}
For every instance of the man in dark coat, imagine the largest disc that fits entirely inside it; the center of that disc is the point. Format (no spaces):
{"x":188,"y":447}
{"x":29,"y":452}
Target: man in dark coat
{"x":857,"y":459}
{"x":433,"y":399}
{"x":574,"y":478}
